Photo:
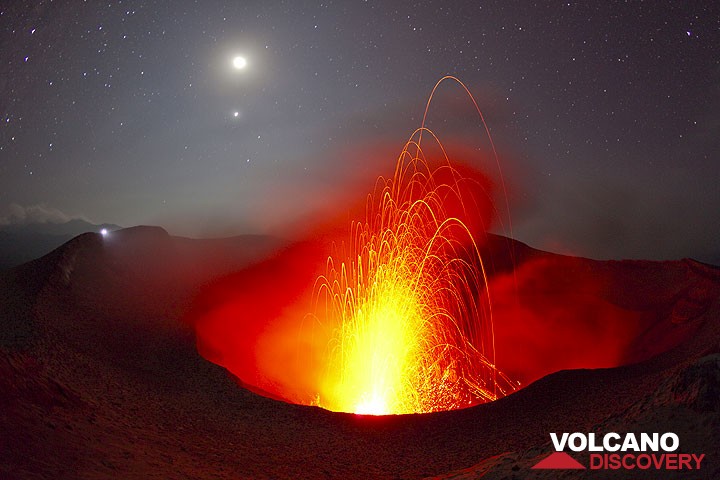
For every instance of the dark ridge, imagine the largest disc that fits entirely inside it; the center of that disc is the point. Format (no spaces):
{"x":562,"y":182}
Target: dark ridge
{"x":20,"y":286}
{"x":21,"y":243}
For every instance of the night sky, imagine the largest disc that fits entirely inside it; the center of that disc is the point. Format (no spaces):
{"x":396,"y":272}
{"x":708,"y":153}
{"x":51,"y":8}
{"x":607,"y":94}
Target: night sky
{"x":606,"y":115}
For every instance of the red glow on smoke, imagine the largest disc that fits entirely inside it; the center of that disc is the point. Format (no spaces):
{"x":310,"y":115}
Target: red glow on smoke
{"x":546,"y":312}
{"x":246,"y":321}
{"x":550,"y":317}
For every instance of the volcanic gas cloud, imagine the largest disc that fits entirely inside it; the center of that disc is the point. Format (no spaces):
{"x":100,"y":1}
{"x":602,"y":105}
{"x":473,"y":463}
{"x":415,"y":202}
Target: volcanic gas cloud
{"x":399,"y":314}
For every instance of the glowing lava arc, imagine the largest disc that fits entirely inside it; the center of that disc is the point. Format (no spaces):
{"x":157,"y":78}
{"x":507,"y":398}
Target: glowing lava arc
{"x":408,"y":301}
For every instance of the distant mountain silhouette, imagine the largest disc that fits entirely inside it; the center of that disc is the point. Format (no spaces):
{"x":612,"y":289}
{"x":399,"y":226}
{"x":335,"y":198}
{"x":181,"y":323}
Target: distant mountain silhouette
{"x":22,"y":242}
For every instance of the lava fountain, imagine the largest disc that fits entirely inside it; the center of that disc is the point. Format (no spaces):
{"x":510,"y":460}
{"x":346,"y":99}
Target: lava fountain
{"x":407,"y":300}
{"x":400,"y":316}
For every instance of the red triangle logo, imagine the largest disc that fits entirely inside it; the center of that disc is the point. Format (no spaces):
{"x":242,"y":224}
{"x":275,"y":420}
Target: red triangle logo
{"x":559,"y":461}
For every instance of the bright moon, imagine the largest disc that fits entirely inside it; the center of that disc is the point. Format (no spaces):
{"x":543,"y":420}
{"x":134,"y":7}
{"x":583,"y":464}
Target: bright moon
{"x":239,"y":62}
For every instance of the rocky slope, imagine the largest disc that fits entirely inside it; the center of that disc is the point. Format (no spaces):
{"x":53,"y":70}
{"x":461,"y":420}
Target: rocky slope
{"x":100,"y":376}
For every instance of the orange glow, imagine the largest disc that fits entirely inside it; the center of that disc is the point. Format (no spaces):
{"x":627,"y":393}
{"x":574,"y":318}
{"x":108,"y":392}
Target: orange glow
{"x":407,"y":300}
{"x":403,"y":317}
{"x":399,"y":318}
